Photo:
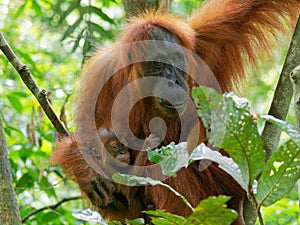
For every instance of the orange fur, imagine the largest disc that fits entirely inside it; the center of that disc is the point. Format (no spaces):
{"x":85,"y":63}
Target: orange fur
{"x":228,"y":35}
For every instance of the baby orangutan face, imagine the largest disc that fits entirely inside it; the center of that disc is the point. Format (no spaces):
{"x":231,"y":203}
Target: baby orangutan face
{"x":117,"y":149}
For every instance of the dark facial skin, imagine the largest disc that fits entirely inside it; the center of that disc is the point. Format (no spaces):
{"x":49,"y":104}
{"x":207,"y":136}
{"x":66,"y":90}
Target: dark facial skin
{"x":167,"y":61}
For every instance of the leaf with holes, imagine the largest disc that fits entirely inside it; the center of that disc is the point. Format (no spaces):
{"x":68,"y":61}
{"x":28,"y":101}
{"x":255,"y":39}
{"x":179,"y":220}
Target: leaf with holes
{"x":280,"y":174}
{"x":225,"y":163}
{"x":230,"y":126}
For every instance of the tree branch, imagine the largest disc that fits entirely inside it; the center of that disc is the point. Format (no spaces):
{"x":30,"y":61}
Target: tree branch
{"x":27,"y":78}
{"x":50,"y":207}
{"x":283,"y":95}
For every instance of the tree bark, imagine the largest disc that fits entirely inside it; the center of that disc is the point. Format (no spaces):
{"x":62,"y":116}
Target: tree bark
{"x":136,"y":7}
{"x":9,"y":210}
{"x":295,"y":77}
{"x":283,"y":95}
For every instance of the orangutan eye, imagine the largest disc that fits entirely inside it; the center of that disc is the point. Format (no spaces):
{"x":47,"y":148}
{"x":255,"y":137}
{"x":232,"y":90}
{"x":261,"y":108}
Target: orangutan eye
{"x":157,"y":64}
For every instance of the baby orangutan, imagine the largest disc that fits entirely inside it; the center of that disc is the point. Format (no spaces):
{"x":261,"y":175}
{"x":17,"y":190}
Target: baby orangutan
{"x":119,"y":151}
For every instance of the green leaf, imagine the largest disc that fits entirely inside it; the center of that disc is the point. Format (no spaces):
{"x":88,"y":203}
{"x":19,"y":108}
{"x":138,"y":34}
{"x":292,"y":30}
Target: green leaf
{"x":8,"y":130}
{"x":49,"y":217}
{"x":95,"y":27}
{"x":115,"y":223}
{"x":47,"y":187}
{"x":19,"y":94}
{"x":28,"y":60}
{"x":48,"y":135}
{"x":71,"y":29}
{"x":98,"y":12}
{"x":37,"y":8}
{"x":21,"y":9}
{"x":161,"y":154}
{"x":25,"y":153}
{"x":25,"y":181}
{"x":15,"y":102}
{"x":291,"y":130}
{"x":138,"y":221}
{"x":280,"y":174}
{"x":34,"y":173}
{"x":76,"y":42}
{"x":201,"y":100}
{"x":135,"y":180}
{"x":212,"y":211}
{"x":227,"y":164}
{"x":231,"y":127}
{"x":165,"y":218}
{"x":74,"y":5}
{"x":171,"y":158}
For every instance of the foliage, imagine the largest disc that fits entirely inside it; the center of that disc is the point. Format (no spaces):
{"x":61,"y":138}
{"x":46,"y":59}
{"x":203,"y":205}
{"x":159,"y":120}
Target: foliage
{"x":50,"y":37}
{"x":234,"y":130}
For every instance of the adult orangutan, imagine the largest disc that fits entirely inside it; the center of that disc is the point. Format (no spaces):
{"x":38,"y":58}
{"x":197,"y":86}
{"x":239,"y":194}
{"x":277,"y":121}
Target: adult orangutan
{"x":155,"y":61}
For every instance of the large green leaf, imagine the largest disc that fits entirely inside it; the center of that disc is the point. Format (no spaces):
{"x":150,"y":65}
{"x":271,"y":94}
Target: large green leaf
{"x":280,"y":174}
{"x":230,"y":126}
{"x":227,"y":164}
{"x":283,"y":169}
{"x":212,"y":211}
{"x":135,"y":180}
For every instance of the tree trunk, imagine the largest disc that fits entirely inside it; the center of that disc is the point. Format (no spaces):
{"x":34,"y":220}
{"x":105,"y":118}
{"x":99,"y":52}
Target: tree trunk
{"x":283,"y":95}
{"x":9,"y":210}
{"x":136,"y":7}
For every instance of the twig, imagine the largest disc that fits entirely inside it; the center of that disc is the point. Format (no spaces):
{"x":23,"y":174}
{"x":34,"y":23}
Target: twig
{"x":283,"y":95}
{"x":40,"y":94}
{"x":50,"y":207}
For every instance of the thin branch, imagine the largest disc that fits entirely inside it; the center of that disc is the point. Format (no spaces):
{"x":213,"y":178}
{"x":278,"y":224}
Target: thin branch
{"x":40,"y":94}
{"x":50,"y":207}
{"x":283,"y":95}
